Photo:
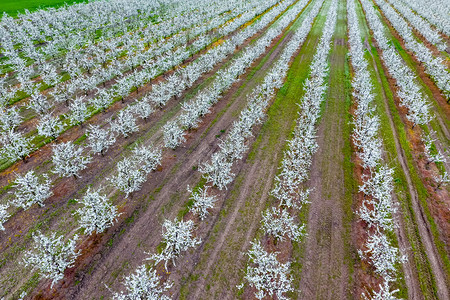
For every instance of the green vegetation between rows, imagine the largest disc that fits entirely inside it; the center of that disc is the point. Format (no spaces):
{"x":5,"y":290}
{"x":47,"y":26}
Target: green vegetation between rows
{"x":13,"y":7}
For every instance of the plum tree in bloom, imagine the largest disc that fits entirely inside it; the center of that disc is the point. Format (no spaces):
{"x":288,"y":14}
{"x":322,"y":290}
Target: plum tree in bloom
{"x":9,"y":118}
{"x":49,"y":126}
{"x":14,"y":145}
{"x":100,"y":139}
{"x":129,"y":177}
{"x":125,"y":123}
{"x":379,"y":184}
{"x":102,"y":100}
{"x":31,"y":189}
{"x":441,"y":180}
{"x":3,"y":215}
{"x":79,"y":111}
{"x":49,"y":74}
{"x":173,"y":135}
{"x":382,"y":255}
{"x":280,"y":224}
{"x":68,"y":159}
{"x":384,"y":293}
{"x":378,"y":212}
{"x":144,"y":284}
{"x":148,"y":158}
{"x":431,"y":157}
{"x":177,"y":237}
{"x":202,"y":202}
{"x":97,"y":213}
{"x":218,"y":171}
{"x":143,"y":109}
{"x":51,"y":256}
{"x":266,"y":274}
{"x":39,"y":103}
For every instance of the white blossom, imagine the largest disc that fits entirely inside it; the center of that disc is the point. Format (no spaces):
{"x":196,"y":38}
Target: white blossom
{"x":39,"y":103}
{"x":14,"y":145}
{"x":3,"y":215}
{"x":148,"y":158}
{"x":266,"y":274}
{"x":173,"y":135}
{"x":79,"y":111}
{"x":382,"y":255}
{"x":280,"y":224}
{"x":68,"y":159}
{"x":441,"y":180}
{"x":202,"y":202}
{"x":51,"y":256}
{"x":129,"y":176}
{"x":217,"y":171}
{"x":50,"y":126}
{"x":97,"y":213}
{"x":9,"y":118}
{"x":384,"y":293}
{"x":177,"y":237}
{"x":125,"y":123}
{"x":144,"y":283}
{"x":100,"y":139}
{"x":31,"y":189}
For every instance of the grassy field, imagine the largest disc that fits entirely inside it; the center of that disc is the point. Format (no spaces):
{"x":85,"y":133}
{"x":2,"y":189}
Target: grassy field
{"x":13,"y":7}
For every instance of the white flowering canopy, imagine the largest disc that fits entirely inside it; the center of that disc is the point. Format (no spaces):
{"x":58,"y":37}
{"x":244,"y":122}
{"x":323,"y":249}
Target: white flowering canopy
{"x":31,"y":189}
{"x":51,"y":256}
{"x":97,"y":214}
{"x":267,"y":275}
{"x":68,"y":159}
{"x":177,"y":237}
{"x":144,"y":283}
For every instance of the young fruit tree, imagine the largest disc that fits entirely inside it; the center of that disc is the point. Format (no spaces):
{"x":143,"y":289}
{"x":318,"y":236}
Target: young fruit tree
{"x":51,"y":256}
{"x":100,"y":139}
{"x":382,"y":255}
{"x":31,"y":189}
{"x":143,"y":109}
{"x":384,"y":293}
{"x":432,"y":157}
{"x":69,"y":160}
{"x":148,"y":158}
{"x":9,"y":118}
{"x":173,"y":135}
{"x":202,"y":202}
{"x":79,"y":111}
{"x":218,"y":171}
{"x":97,"y":213}
{"x":129,"y":177}
{"x":125,"y":123}
{"x":441,"y":180}
{"x":14,"y":146}
{"x":39,"y":103}
{"x":266,"y":274}
{"x":177,"y":237}
{"x":3,"y":215}
{"x":144,"y":284}
{"x":49,"y":126}
{"x":280,"y":224}
{"x":102,"y":100}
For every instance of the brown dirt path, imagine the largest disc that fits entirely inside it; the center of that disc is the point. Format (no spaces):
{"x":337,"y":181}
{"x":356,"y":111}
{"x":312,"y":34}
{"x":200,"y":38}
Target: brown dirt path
{"x":325,"y":273}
